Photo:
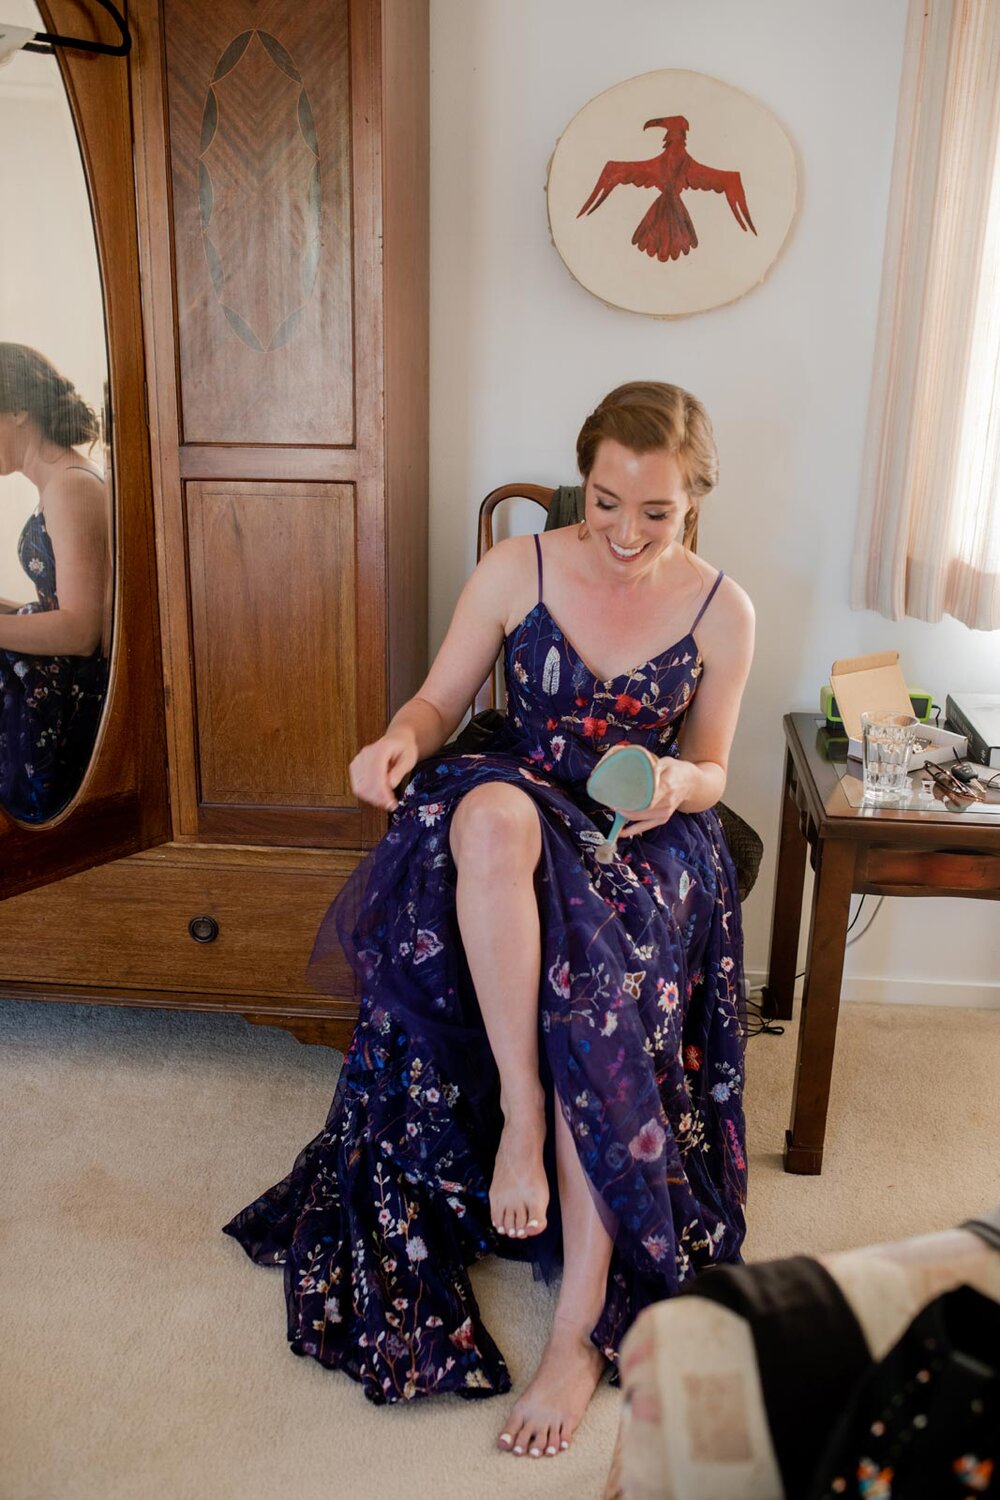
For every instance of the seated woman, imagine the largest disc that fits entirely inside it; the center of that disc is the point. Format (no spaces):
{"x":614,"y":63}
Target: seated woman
{"x":53,"y":657}
{"x":548,"y":1061}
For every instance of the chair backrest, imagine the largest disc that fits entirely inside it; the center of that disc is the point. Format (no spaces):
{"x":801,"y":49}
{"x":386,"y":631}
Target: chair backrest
{"x":542,"y":495}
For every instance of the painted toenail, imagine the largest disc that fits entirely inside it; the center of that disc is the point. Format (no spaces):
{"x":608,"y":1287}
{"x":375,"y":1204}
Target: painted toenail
{"x":518,"y":1449}
{"x":532,"y":1223}
{"x":535,"y":1452}
{"x":505,"y":1437}
{"x":521,"y":1233}
{"x":564,"y":1445}
{"x":550,"y":1450}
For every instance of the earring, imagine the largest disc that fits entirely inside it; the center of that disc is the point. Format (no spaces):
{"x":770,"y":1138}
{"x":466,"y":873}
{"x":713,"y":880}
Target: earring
{"x":583,"y":531}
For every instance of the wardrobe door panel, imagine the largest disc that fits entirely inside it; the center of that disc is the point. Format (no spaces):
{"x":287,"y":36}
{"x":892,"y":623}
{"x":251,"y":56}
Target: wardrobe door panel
{"x":272,"y":574}
{"x":259,"y":100}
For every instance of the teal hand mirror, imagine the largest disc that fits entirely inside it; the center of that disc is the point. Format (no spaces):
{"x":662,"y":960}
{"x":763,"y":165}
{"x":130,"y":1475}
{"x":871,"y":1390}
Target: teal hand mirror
{"x":625,"y":781}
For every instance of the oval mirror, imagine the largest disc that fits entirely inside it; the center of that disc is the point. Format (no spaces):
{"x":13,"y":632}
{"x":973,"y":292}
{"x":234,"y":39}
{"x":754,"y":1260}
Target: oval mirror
{"x":56,"y":483}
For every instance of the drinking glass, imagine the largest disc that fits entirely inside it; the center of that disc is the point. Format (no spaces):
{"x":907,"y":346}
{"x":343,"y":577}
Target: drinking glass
{"x":887,"y":744}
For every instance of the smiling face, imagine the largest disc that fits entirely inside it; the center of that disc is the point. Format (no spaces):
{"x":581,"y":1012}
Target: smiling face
{"x":636,"y":505}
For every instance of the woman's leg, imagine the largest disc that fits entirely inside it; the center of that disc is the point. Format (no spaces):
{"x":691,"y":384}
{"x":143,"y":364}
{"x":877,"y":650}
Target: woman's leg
{"x":496,"y":844}
{"x":544,"y":1418}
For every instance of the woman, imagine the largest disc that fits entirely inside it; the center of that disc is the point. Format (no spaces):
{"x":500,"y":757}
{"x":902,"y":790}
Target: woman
{"x":53,"y":660}
{"x":548,"y":1058}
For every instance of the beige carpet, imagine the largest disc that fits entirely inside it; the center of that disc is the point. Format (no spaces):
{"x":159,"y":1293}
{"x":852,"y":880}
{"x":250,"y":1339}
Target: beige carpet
{"x":143,"y":1355}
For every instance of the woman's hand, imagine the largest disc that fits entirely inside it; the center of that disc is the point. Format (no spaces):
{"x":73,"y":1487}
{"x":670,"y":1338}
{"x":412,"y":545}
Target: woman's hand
{"x":677,"y":781}
{"x":378,"y":769}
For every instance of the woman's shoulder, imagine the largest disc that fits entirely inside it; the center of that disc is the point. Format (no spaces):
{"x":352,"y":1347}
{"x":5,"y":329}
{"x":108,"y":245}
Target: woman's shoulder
{"x":74,"y":496}
{"x":728,"y":619}
{"x":73,"y":484}
{"x":733,"y":600}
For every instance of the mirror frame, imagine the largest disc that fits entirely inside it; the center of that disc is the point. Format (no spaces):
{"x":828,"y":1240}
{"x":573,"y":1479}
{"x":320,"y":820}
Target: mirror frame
{"x":122,"y":803}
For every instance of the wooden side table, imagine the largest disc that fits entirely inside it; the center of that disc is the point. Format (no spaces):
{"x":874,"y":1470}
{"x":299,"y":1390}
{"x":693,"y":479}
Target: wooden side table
{"x":951,"y":851}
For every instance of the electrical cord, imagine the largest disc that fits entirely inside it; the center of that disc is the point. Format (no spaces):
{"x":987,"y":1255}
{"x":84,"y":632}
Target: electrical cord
{"x":760,"y":1025}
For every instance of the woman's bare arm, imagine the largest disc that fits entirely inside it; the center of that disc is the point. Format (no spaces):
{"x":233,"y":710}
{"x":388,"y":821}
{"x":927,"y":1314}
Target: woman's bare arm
{"x":467,"y":656}
{"x":697,"y":779}
{"x":76,"y":521}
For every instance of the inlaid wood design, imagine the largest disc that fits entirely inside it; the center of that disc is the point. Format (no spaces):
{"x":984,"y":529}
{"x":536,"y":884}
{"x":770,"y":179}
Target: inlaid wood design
{"x":259,"y":113}
{"x":272,"y":573}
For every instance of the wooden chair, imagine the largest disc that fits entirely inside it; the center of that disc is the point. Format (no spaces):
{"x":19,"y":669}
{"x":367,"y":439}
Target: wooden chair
{"x":488,"y":695}
{"x":745,"y":844}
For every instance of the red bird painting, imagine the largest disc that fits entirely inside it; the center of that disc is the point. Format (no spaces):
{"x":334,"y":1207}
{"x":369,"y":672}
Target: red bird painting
{"x":667,"y":232}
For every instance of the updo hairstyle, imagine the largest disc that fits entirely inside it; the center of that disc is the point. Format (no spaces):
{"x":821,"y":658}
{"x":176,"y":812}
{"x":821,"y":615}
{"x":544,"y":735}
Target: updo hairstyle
{"x":28,"y":382}
{"x":646,"y":416}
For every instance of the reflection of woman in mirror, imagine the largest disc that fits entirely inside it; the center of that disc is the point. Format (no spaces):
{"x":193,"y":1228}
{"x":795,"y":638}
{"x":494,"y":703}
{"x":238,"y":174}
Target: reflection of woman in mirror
{"x":53,"y":652}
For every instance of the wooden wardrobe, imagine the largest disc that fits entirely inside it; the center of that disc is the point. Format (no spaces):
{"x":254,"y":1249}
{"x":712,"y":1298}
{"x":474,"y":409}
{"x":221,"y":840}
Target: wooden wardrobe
{"x":259,"y":175}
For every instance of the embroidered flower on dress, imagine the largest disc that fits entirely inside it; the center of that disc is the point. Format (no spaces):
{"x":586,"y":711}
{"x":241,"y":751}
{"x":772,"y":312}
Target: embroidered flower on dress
{"x":416,"y":1249}
{"x":463,"y":1337}
{"x":557,"y":744}
{"x":647,"y":1144}
{"x":610,"y":1023}
{"x":973,"y":1471}
{"x":595,"y":729}
{"x":559,"y":979}
{"x":684,"y":884}
{"x":692,"y":1058}
{"x":668,"y":995}
{"x":656,"y":1245}
{"x":430,"y":813}
{"x":632,"y":983}
{"x":626,"y":705}
{"x":428,"y":944}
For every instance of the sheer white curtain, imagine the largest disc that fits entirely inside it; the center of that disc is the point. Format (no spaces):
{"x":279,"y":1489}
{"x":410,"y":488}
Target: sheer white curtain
{"x":929,"y":538}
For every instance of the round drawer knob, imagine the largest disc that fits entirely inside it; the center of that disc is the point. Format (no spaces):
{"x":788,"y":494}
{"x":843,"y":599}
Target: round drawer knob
{"x":203,"y":929}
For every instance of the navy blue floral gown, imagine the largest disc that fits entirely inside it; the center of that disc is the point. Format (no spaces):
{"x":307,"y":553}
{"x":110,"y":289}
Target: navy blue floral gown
{"x":50,"y":706}
{"x":641,"y":1028}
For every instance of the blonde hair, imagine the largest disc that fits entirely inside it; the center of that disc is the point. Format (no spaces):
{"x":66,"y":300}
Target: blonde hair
{"x":646,"y":416}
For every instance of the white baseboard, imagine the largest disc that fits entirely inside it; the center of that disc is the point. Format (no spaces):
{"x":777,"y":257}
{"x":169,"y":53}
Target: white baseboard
{"x":906,"y":991}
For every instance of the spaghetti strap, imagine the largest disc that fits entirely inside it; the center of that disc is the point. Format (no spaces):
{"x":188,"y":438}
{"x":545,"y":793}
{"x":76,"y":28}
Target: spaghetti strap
{"x":538,"y":555}
{"x":711,"y":594}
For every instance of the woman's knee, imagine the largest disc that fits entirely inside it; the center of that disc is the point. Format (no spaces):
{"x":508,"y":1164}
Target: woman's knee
{"x":494,"y":823}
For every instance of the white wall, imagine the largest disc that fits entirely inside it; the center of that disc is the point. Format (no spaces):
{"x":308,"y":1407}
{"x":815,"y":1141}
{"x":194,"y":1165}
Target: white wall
{"x":520,"y":353}
{"x":50,"y":290}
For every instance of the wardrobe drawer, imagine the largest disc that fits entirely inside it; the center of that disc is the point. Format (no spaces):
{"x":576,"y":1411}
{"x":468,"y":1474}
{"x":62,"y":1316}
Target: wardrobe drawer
{"x":126,"y":924}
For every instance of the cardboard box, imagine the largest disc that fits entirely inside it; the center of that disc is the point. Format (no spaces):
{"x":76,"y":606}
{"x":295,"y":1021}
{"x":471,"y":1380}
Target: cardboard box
{"x":875,"y":684}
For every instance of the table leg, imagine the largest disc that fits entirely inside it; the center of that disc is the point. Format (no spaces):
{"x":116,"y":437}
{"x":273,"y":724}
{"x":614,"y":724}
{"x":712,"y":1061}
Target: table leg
{"x":786,"y":918}
{"x":835,"y":859}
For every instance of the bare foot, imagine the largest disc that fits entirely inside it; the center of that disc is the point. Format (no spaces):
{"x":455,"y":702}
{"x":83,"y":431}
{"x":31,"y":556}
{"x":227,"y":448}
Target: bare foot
{"x":519,"y":1192}
{"x":543,"y":1421}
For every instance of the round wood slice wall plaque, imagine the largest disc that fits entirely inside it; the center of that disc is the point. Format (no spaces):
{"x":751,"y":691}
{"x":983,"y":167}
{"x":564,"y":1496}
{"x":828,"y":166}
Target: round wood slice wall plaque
{"x":671,"y":193}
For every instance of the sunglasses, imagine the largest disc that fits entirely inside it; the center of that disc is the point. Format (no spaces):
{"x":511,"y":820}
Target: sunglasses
{"x":967,"y":786}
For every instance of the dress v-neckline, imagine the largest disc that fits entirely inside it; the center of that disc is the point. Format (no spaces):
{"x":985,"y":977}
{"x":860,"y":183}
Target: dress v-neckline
{"x":605,"y":681}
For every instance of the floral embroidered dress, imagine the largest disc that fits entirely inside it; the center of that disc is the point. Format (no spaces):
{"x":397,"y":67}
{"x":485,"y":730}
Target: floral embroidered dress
{"x":641,"y":1032}
{"x":50,"y":706}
